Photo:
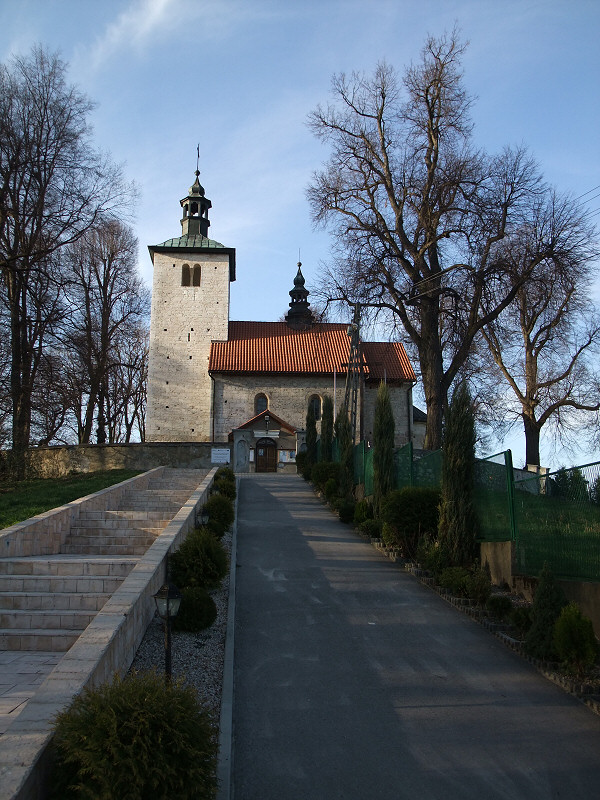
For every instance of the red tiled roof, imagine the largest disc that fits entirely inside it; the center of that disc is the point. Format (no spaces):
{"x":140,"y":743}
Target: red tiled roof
{"x":274,"y":418}
{"x":273,"y":347}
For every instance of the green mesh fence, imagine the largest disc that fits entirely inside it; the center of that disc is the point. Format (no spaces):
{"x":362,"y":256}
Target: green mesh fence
{"x":427,"y":470}
{"x":359,"y":462}
{"x":558,"y":521}
{"x":403,"y":466}
{"x":492,"y":497}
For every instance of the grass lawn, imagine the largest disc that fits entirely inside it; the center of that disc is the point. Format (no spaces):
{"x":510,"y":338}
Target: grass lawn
{"x":20,"y":500}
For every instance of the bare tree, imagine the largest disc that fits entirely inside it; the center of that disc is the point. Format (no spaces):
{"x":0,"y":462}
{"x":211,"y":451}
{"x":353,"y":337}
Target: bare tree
{"x":53,"y":187}
{"x":545,"y":345}
{"x":108,"y":305}
{"x":416,"y":212}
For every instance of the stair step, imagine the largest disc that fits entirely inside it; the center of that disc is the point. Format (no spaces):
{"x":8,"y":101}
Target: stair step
{"x":66,"y":619}
{"x":67,"y":565}
{"x":95,"y":536}
{"x":60,"y":583}
{"x":119,"y":524}
{"x":32,"y":601}
{"x":106,"y":550}
{"x":58,"y":641}
{"x":122,"y":515}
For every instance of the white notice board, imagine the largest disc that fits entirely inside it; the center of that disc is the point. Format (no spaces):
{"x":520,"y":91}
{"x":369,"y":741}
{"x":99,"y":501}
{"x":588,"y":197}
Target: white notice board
{"x":219,"y":455}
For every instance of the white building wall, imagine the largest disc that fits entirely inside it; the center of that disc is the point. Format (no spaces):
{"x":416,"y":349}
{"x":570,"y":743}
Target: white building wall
{"x":184,"y":322}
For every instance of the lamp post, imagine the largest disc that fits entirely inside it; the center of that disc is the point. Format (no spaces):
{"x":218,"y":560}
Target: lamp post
{"x":168,"y":600}
{"x":267,"y":419}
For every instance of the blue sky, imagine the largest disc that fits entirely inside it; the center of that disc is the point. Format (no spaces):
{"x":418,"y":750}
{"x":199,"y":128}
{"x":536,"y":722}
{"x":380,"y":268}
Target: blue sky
{"x":240,"y":78}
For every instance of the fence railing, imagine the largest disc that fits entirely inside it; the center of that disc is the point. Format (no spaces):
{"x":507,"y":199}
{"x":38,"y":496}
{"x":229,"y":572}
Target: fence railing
{"x":553,"y":517}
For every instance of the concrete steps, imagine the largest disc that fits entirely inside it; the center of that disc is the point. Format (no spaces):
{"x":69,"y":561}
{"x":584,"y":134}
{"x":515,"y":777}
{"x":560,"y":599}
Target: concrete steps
{"x":47,"y":601}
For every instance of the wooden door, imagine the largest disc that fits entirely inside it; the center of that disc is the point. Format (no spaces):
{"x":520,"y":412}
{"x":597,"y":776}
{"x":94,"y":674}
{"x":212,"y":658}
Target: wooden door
{"x":266,"y":455}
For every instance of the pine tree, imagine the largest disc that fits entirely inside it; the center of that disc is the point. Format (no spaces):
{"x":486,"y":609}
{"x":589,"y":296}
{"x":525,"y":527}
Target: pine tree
{"x":327,"y":429}
{"x":458,"y":522}
{"x":383,"y":447}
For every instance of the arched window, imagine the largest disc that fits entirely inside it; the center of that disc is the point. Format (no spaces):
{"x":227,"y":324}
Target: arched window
{"x":196,"y":278}
{"x":185,"y":275}
{"x":261,"y":403}
{"x":315,"y":403}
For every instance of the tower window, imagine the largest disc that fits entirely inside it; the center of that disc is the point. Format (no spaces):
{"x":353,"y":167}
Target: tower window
{"x":196,"y":278}
{"x":261,"y":403}
{"x":315,"y":403}
{"x":185,"y":275}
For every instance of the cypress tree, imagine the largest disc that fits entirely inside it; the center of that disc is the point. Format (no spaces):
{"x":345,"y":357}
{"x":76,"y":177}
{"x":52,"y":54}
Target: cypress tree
{"x":383,"y":447}
{"x":458,"y":523}
{"x":311,"y":436}
{"x":344,"y":439}
{"x":327,"y":429}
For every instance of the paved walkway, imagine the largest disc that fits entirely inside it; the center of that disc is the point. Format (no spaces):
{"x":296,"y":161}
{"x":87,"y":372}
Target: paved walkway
{"x":354,"y":681}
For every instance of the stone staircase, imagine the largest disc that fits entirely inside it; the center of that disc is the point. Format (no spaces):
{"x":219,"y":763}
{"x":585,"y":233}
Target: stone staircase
{"x":47,"y":601}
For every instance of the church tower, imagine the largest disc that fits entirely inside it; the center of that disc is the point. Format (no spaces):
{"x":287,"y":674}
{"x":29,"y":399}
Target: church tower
{"x":190,"y":309}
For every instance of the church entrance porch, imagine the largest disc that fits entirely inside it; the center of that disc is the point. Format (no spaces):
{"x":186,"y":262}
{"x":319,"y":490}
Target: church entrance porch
{"x":266,"y":455}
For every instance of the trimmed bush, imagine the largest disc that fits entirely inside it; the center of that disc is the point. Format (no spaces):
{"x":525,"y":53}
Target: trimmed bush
{"x":225,"y":472}
{"x":346,"y":511}
{"x":330,"y":489}
{"x":135,"y":738}
{"x":220,"y":514}
{"x":201,"y":561}
{"x":433,"y":556}
{"x":548,"y":602}
{"x":455,"y":580}
{"x":197,"y":610}
{"x":520,"y":618}
{"x":478,"y":586}
{"x":324,"y":471}
{"x":411,"y":514}
{"x":499,"y":606}
{"x":574,"y":640}
{"x":363,"y":511}
{"x":225,"y":487}
{"x":371,"y":527}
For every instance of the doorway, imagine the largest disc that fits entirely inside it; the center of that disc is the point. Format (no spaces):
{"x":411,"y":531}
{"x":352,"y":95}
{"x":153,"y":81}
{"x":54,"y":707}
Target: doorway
{"x":266,"y":455}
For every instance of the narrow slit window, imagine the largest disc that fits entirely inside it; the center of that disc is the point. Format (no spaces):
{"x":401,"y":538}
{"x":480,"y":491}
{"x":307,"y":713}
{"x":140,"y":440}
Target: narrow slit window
{"x":196,"y":277}
{"x":185,"y":275}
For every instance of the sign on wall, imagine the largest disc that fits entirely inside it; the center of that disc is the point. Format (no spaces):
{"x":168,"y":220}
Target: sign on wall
{"x":219,"y":455}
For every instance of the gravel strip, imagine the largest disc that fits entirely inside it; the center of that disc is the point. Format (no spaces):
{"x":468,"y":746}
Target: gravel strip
{"x":196,"y":658}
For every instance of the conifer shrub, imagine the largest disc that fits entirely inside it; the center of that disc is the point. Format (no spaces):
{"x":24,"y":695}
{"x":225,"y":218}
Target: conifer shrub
{"x":574,"y":640}
{"x":302,"y":466}
{"x":371,"y":528}
{"x":383,"y":447}
{"x":225,"y":487}
{"x":197,"y":610}
{"x":520,"y":619}
{"x":136,"y":738}
{"x":225,"y":472}
{"x":330,"y":488}
{"x":363,"y":511}
{"x":311,"y":436}
{"x":327,"y":429}
{"x":458,"y":525}
{"x":346,"y":511}
{"x":220,"y":514}
{"x":499,"y":606}
{"x":324,"y":471}
{"x":409,"y":514}
{"x":454,"y":579}
{"x":548,"y":602}
{"x":201,"y":561}
{"x":478,"y":586}
{"x":432,"y":556}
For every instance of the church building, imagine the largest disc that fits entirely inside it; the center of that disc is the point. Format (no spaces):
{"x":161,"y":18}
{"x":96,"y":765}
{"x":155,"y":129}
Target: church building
{"x":212,"y":379}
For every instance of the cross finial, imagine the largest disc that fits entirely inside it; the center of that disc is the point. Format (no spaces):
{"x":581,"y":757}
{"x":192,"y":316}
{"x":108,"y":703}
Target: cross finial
{"x":198,"y":159}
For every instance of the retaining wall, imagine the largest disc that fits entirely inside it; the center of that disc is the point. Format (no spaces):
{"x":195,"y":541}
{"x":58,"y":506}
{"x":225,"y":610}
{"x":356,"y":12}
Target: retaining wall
{"x":108,"y":645}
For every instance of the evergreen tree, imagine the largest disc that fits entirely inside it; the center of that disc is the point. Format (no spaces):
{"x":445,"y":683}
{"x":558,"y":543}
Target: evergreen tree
{"x":344,"y":439}
{"x":548,"y":602}
{"x":383,"y":447}
{"x":458,"y":522}
{"x":311,"y":436}
{"x":327,"y":429}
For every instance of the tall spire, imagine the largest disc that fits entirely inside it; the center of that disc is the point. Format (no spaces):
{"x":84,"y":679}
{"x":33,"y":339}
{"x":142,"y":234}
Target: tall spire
{"x":195,"y":206}
{"x":299,"y":316}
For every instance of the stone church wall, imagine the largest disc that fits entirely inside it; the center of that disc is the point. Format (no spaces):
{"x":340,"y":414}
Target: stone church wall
{"x":288,"y":396}
{"x":401,"y":400}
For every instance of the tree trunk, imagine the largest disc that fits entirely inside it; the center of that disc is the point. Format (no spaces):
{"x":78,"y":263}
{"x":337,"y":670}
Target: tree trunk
{"x":532,"y":440}
{"x":432,"y":369}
